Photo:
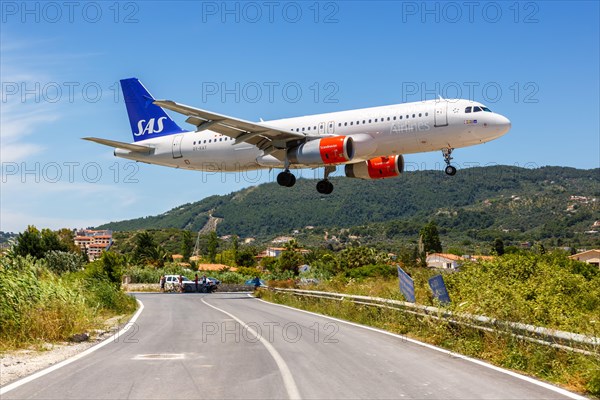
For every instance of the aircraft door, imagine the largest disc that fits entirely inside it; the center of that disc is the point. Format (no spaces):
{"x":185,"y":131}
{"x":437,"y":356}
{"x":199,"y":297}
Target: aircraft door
{"x":177,"y":146}
{"x":441,"y":113}
{"x":330,"y":127}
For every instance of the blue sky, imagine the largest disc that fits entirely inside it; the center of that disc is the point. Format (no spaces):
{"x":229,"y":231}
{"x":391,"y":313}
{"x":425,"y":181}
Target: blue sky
{"x":535,"y":62}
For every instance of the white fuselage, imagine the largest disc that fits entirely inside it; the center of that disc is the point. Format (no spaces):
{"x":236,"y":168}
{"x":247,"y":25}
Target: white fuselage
{"x":379,"y":131}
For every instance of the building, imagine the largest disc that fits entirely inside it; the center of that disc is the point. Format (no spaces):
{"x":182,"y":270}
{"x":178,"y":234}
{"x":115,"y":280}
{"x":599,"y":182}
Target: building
{"x":93,"y":243}
{"x":452,"y":261}
{"x":276,"y":252}
{"x":444,"y":261}
{"x":590,"y":257}
{"x":215,"y":267}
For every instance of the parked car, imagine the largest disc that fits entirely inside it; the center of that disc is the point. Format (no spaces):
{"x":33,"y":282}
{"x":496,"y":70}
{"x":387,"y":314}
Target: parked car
{"x":189,"y":286}
{"x":255,"y":282}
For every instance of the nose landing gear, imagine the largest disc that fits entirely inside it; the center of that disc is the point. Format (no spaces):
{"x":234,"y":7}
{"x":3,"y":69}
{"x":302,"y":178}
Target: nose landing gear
{"x":447,"y":153}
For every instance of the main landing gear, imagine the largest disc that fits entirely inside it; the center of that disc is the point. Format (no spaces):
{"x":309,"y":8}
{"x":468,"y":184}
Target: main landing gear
{"x":449,"y":170}
{"x":286,"y":178}
{"x":324,"y":186}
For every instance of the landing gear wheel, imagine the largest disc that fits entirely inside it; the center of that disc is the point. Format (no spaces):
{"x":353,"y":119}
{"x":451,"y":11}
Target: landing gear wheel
{"x":324,"y":187}
{"x":450,"y":170}
{"x":286,"y":178}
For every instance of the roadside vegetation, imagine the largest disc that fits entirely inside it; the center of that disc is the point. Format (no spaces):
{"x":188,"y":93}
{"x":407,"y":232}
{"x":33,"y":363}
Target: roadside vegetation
{"x":547,"y":290}
{"x":50,"y":292}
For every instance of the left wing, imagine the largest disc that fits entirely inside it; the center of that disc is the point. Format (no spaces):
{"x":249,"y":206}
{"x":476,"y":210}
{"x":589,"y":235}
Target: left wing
{"x":265,"y":137}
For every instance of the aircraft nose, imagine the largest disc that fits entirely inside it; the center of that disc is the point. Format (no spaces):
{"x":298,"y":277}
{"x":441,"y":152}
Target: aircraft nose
{"x":503,"y":124}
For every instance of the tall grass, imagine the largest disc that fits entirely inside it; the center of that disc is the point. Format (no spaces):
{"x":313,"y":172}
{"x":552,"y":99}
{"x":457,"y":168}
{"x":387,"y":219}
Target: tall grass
{"x":37,"y":305}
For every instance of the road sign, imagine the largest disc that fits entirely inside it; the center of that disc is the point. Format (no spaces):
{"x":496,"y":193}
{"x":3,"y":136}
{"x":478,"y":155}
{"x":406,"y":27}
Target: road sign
{"x":407,"y":285}
{"x":436,"y":283}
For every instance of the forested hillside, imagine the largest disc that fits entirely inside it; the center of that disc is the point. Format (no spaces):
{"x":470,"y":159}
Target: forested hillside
{"x":516,"y":203}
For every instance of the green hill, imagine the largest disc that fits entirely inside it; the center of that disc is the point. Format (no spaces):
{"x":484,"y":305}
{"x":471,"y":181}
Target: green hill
{"x":555,"y":203}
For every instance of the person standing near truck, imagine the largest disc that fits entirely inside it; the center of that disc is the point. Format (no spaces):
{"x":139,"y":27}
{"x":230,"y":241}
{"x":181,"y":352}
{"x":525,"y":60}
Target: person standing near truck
{"x":196,"y":282}
{"x":180,"y":284}
{"x":162,"y":283}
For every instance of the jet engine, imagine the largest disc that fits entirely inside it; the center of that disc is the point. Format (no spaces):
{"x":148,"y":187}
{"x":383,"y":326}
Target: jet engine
{"x":328,"y":150}
{"x":376,"y":168}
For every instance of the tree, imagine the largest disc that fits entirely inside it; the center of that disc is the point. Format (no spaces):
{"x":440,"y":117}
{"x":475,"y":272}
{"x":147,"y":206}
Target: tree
{"x":498,"y":247}
{"x":29,"y":242}
{"x":64,"y":261}
{"x":235,"y":247}
{"x":187,"y":245}
{"x":290,"y":259}
{"x":213,"y":245}
{"x":245,"y":258}
{"x":35,"y":243}
{"x":430,"y":238}
{"x":148,"y":252}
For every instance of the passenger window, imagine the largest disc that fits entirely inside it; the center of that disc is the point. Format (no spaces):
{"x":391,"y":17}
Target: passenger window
{"x":351,"y":122}
{"x":369,"y":121}
{"x":394,"y":118}
{"x":345,"y":124}
{"x":413,"y":115}
{"x":419,"y":114}
{"x":426,"y":114}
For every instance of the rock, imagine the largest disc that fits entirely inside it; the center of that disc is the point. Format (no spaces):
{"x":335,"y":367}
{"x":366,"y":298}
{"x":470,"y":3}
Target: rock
{"x":79,"y":337}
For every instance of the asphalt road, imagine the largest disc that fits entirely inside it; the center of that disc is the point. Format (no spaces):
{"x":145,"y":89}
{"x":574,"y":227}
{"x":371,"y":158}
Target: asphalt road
{"x":186,"y":346}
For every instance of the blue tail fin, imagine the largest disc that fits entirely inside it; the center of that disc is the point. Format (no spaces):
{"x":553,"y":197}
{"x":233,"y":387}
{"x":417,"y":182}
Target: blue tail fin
{"x":147,"y":120}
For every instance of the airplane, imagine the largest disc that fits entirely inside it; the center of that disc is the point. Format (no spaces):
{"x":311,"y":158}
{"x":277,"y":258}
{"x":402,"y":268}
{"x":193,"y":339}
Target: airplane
{"x":369,"y":142}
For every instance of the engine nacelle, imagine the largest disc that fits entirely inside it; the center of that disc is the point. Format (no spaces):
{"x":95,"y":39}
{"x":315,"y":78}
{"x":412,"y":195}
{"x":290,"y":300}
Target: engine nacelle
{"x":328,"y":150}
{"x":376,"y":168}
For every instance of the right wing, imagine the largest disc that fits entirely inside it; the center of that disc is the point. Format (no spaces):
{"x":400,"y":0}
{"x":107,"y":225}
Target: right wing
{"x":267,"y":138}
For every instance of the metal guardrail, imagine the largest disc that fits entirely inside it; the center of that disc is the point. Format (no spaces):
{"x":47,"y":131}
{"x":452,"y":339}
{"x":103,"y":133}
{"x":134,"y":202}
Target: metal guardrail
{"x":550,"y":337}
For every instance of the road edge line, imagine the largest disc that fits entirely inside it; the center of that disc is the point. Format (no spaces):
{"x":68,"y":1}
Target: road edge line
{"x":284,"y":370}
{"x":45,"y":371}
{"x":525,"y":378}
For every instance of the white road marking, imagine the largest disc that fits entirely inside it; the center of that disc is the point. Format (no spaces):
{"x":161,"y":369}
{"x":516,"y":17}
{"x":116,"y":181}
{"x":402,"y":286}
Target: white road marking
{"x":448,"y":352}
{"x":76,"y":357}
{"x":286,"y":374}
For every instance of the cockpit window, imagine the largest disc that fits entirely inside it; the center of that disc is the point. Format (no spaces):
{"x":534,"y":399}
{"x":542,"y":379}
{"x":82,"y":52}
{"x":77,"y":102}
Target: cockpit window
{"x":468,"y":110}
{"x":476,"y":109}
{"x":486,"y":109}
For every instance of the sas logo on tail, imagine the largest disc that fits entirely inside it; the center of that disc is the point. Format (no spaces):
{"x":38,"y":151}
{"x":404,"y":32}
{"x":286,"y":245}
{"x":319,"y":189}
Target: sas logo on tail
{"x":148,"y":127}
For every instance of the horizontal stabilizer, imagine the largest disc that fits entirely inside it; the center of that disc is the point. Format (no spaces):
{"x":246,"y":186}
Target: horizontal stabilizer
{"x":136,"y":148}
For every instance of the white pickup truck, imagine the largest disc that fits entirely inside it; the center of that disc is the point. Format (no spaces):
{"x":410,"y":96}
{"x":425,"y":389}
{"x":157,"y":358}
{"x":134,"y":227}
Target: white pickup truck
{"x":189,"y":286}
